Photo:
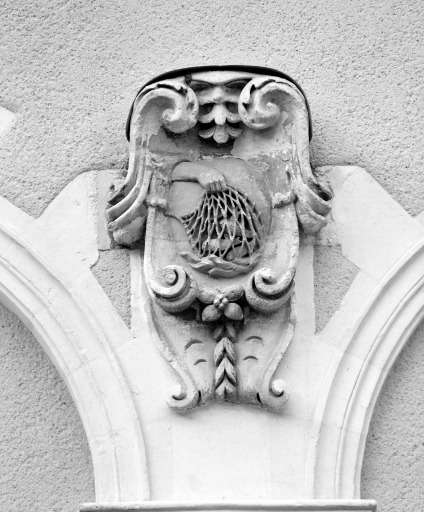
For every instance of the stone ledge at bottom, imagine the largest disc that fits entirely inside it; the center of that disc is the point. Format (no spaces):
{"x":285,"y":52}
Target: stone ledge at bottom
{"x":227,"y":506}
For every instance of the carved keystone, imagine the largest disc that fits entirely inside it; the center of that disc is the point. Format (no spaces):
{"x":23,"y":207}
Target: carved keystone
{"x":219,"y":178}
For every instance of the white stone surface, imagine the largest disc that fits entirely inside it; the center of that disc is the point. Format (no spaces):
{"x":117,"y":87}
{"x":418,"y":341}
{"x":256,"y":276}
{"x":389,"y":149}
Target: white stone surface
{"x":373,"y":230}
{"x":394,"y":450}
{"x":77,"y":326}
{"x":242,"y":506}
{"x":335,"y":376}
{"x":6,"y":119}
{"x":71,"y":219}
{"x":322,"y":371}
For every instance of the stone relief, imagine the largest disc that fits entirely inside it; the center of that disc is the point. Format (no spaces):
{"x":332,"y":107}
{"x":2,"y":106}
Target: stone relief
{"x":218,"y":185}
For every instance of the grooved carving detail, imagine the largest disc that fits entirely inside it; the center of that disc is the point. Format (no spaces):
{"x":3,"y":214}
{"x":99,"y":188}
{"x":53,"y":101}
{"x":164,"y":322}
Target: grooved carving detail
{"x":219,"y":183}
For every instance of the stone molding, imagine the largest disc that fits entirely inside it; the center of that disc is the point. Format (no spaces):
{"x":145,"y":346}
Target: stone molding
{"x":383,"y":326}
{"x":263,"y":506}
{"x":45,"y":279}
{"x":75,"y":323}
{"x":87,"y":341}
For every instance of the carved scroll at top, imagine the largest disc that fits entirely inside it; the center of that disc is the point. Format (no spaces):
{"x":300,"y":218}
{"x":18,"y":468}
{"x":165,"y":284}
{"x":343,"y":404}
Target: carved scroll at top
{"x":219,"y":184}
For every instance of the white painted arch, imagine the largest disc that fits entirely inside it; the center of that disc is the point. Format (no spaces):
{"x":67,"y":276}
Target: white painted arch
{"x":75,"y":323}
{"x":60,"y":301}
{"x":367,"y":350}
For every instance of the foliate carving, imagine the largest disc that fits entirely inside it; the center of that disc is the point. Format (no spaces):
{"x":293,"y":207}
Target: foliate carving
{"x":219,"y":117}
{"x":224,"y":201}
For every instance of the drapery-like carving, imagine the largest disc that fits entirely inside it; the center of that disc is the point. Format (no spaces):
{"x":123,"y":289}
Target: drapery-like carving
{"x":171,"y":104}
{"x":222,"y":235}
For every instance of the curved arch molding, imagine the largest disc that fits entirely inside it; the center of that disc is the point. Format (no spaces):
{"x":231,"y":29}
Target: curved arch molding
{"x":77,"y":326}
{"x":382,"y":309}
{"x":356,"y":375}
{"x":46,"y":281}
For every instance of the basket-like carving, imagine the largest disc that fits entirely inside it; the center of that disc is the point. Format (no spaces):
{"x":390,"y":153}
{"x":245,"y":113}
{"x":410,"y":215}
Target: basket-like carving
{"x":225,"y":232}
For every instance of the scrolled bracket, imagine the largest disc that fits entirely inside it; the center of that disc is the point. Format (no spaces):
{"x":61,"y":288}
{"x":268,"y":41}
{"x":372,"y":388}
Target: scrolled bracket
{"x":275,"y":395}
{"x":184,"y":397}
{"x":265,"y":293}
{"x":262,"y":99}
{"x":311,"y":209}
{"x":275,"y":392}
{"x":178,"y":294}
{"x":312,"y":199}
{"x":172,"y":104}
{"x":176,"y":101}
{"x":181,"y":290}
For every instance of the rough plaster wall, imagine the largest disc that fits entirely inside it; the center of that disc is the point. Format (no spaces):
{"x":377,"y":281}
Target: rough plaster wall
{"x":70,"y":70}
{"x":393,"y":469}
{"x":45,"y":463}
{"x":111,"y":271}
{"x":333,"y":275}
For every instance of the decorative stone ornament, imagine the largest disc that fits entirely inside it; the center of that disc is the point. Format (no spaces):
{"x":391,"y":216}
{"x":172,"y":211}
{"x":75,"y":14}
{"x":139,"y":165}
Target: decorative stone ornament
{"x":219,"y":183}
{"x":227,"y":458}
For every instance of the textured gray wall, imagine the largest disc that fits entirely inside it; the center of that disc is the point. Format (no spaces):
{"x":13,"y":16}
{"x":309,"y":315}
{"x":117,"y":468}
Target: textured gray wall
{"x":333,"y":275}
{"x":70,"y":70}
{"x":45,"y":463}
{"x":393,"y":469}
{"x":112,"y":272}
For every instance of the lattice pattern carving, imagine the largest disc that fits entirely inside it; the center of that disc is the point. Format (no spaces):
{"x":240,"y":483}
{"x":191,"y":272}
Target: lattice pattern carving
{"x":225,"y":224}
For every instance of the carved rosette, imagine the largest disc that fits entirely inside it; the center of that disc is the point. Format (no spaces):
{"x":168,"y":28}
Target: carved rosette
{"x":219,"y":179}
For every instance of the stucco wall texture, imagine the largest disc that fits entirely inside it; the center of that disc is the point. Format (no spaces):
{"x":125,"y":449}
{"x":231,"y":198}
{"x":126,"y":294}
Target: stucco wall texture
{"x":333,"y":276}
{"x":45,"y":462}
{"x":70,"y":70}
{"x":393,"y":467}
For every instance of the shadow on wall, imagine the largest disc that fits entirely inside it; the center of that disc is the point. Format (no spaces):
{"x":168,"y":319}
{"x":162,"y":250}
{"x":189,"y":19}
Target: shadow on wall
{"x":329,"y":293}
